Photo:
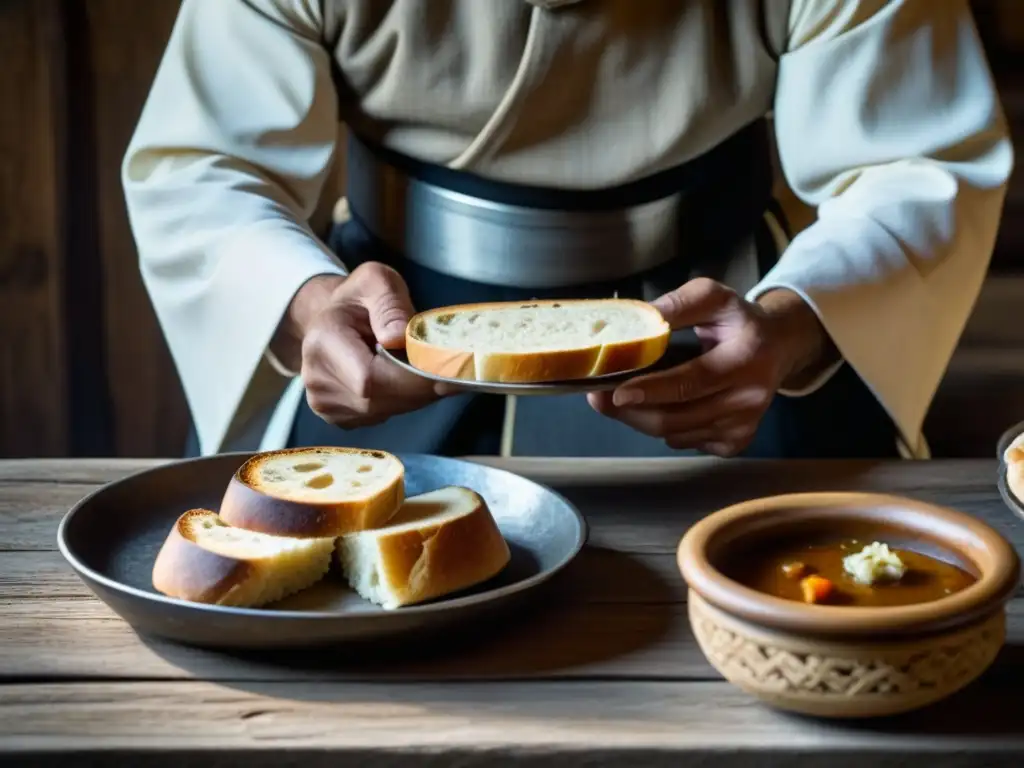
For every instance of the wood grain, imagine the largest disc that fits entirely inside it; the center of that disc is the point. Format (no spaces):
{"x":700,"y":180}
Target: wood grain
{"x":554,"y":723}
{"x":624,"y":594}
{"x":32,"y":412}
{"x":954,"y":476}
{"x":606,"y":672}
{"x":565,"y":641}
{"x":63,"y":470}
{"x":83,"y":640}
{"x":29,"y":515}
{"x":33,"y":500}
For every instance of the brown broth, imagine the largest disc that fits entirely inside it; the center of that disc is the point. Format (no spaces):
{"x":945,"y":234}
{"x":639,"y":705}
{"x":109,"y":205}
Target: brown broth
{"x":926,"y":578}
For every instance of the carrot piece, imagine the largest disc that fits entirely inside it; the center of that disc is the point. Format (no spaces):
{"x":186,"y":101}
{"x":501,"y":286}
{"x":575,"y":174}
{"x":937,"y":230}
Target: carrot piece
{"x":794,"y":570}
{"x":816,"y":589}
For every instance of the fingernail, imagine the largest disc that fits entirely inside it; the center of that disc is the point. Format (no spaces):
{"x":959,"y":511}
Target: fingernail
{"x":443,"y":390}
{"x":627,"y":397}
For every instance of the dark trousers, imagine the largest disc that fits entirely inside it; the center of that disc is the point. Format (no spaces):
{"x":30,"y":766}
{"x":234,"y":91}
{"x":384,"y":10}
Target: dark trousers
{"x":840,"y":420}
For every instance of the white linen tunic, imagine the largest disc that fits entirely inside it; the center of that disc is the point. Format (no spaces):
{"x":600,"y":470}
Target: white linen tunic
{"x":885,"y":114}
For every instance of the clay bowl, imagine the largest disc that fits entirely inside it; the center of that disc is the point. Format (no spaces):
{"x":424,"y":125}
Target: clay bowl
{"x":846,"y":661}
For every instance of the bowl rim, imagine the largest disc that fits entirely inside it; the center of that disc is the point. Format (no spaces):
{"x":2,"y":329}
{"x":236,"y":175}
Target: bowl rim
{"x":995,"y":558}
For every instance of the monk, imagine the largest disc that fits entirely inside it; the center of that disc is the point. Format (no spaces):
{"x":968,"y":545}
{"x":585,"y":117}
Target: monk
{"x":487,"y":141}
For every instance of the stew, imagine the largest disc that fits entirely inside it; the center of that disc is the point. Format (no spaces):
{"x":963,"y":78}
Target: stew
{"x":848,"y":572}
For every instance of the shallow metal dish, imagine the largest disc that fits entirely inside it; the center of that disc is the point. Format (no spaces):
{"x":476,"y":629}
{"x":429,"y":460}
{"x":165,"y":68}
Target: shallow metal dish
{"x":683,"y":347}
{"x":112,"y":536}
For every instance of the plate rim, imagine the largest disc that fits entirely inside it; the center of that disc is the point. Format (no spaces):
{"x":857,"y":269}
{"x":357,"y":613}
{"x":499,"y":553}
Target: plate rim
{"x":89,"y":574}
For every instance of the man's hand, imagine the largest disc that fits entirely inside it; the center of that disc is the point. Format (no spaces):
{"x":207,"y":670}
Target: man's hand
{"x":335,"y":323}
{"x":715,"y":402}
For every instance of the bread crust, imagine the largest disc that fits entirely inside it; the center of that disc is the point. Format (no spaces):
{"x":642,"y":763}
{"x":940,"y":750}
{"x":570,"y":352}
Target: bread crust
{"x":186,"y":571}
{"x":539,"y":365}
{"x":433,"y":561}
{"x":252,"y":509}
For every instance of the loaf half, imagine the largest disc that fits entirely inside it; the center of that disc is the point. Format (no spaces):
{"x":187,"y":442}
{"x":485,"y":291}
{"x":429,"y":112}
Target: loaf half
{"x":1014,"y":460}
{"x":537,"y":341}
{"x":314,"y":492}
{"x":204,"y":560}
{"x":439,"y":543}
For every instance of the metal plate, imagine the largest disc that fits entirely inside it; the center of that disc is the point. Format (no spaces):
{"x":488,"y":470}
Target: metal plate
{"x":684,"y":347}
{"x":111,"y":539}
{"x":1016,"y":505}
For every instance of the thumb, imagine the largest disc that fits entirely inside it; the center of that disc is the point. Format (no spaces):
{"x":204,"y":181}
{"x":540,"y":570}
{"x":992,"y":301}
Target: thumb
{"x":385,"y":296}
{"x":699,"y":302}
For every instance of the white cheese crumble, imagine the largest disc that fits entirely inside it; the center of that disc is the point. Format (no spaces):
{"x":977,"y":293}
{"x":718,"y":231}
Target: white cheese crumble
{"x":875,"y":563}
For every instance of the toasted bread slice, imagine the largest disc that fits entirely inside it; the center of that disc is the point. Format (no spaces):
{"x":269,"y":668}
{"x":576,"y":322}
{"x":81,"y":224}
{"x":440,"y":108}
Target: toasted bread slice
{"x":207,"y":561}
{"x":438,"y":543}
{"x":314,"y":492}
{"x":537,"y":341}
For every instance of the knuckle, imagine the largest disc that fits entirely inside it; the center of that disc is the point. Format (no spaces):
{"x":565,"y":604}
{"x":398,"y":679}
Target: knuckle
{"x":706,"y":288}
{"x":764,"y":398}
{"x":361,"y":384}
{"x":753,"y":398}
{"x":673,"y":302}
{"x":317,"y":401}
{"x":753,"y":336}
{"x":744,"y":435}
{"x":388,"y":308}
{"x":704,"y":285}
{"x":722,"y":447}
{"x":313,"y":342}
{"x":375,"y":272}
{"x":738,"y":439}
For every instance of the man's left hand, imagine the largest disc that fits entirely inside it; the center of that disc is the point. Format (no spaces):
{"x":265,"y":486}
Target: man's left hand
{"x":715,"y":402}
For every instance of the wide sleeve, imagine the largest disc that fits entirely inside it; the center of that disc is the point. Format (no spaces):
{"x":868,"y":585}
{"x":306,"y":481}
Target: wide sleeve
{"x":887,"y":120}
{"x":221,"y":176}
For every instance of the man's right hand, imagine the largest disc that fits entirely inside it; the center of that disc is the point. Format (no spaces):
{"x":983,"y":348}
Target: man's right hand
{"x":334,"y":324}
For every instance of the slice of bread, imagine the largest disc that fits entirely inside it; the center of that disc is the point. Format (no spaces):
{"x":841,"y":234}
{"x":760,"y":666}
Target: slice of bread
{"x":204,"y":560}
{"x":537,"y":341}
{"x":438,"y":543}
{"x":314,"y":492}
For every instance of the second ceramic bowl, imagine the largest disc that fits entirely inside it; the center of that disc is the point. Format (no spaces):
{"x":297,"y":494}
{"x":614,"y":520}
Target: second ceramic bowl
{"x":840,"y":661}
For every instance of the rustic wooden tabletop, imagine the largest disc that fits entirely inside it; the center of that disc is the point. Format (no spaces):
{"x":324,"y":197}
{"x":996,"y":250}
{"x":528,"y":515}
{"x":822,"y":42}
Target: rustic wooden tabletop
{"x":605,"y":672}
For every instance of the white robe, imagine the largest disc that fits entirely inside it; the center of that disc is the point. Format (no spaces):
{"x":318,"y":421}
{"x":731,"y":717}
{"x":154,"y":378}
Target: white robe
{"x":885,"y":114}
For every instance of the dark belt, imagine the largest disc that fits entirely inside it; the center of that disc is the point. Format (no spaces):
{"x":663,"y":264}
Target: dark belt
{"x":463,"y":225}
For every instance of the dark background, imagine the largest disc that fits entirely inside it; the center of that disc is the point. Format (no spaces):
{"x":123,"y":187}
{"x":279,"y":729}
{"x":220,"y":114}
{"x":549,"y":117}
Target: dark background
{"x":84,"y":369}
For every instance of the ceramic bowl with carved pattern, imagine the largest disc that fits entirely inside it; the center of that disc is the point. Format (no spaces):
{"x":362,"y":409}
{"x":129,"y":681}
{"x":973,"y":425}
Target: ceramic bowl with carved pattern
{"x":847,"y":605}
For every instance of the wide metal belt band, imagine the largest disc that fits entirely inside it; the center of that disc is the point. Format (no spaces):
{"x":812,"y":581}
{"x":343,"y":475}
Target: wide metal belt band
{"x":465,"y":226}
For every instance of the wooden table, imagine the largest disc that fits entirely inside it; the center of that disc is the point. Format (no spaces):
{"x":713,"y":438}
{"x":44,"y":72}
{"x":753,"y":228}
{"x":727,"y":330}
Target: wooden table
{"x":606,"y":674}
